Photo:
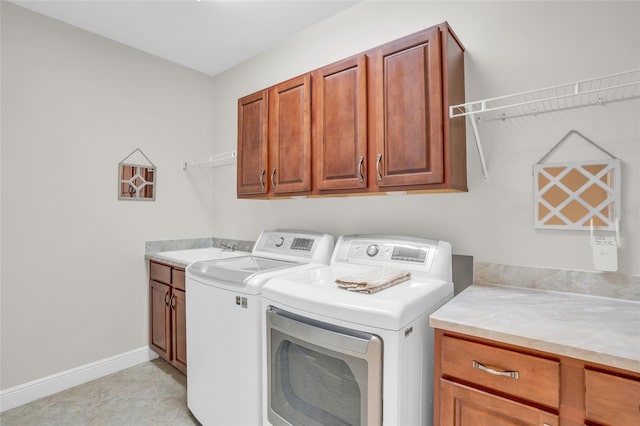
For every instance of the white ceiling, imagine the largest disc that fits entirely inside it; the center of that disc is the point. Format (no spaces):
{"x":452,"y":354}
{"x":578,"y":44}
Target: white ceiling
{"x":208,"y":36}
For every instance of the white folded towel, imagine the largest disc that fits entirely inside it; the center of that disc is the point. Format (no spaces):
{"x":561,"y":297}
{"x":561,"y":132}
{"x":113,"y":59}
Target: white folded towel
{"x":373,"y":281}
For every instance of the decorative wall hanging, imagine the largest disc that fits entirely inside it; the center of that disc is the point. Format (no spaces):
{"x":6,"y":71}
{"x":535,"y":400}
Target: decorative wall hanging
{"x":136,"y":177}
{"x":577,"y":195}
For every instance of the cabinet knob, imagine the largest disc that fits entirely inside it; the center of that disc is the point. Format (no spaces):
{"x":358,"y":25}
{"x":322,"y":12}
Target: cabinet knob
{"x":273,"y":178}
{"x":262,"y":173}
{"x":360,"y":175}
{"x":173,"y":302}
{"x":166,"y":300}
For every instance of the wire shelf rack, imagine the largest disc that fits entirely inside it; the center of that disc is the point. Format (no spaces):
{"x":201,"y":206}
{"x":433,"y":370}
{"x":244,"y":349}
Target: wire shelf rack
{"x":221,"y":159}
{"x":595,"y":91}
{"x":610,"y":88}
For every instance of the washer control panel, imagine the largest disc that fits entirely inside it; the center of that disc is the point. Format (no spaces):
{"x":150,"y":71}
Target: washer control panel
{"x":288,"y":242}
{"x":293,"y":245}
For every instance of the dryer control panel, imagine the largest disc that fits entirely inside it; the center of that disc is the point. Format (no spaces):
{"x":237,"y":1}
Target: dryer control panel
{"x":388,"y":252}
{"x":416,"y":254}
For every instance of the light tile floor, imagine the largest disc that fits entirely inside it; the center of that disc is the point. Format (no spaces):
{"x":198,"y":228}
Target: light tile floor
{"x":153,"y":393}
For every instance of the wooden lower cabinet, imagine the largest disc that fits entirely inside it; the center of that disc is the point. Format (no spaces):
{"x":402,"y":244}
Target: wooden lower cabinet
{"x":482,"y":382}
{"x":160,"y":319}
{"x":611,"y":399}
{"x":179,"y":330}
{"x":167,"y":314}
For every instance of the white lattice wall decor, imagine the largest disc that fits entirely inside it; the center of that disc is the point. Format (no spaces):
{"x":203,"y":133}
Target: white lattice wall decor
{"x":571,"y":195}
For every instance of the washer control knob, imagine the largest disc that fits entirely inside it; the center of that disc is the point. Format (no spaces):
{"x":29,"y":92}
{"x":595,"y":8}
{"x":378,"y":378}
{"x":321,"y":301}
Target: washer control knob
{"x":280,"y":242}
{"x":372,"y":250}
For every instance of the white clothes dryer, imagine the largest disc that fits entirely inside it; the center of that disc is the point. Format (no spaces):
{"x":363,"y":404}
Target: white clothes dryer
{"x":225,"y":322}
{"x":340,"y":357}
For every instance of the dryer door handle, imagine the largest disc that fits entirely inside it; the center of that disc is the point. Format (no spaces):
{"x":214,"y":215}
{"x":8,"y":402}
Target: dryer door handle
{"x":313,"y":332}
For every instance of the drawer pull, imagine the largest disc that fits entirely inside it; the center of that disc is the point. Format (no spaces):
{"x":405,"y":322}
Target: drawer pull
{"x":512,"y":374}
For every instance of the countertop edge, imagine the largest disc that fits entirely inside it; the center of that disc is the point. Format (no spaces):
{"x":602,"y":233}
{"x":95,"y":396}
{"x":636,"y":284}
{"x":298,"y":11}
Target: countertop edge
{"x":541,"y":345}
{"x":171,"y":262}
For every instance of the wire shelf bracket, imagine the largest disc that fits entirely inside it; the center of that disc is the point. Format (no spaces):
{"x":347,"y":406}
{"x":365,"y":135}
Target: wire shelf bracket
{"x":595,"y":91}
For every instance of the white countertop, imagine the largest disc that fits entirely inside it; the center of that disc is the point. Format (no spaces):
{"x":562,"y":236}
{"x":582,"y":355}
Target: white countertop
{"x":183,"y":258}
{"x":590,"y":328}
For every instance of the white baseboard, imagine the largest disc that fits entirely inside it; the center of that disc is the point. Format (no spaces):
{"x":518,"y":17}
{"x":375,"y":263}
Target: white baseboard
{"x":39,"y":388}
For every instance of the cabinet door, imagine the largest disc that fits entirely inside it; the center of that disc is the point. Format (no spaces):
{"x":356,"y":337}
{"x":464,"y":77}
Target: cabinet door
{"x":612,"y":400}
{"x":339,"y":115}
{"x":252,"y":144}
{"x":408,"y":111}
{"x":290,"y":136}
{"x":160,"y":319}
{"x":179,"y":331}
{"x":466,"y":406}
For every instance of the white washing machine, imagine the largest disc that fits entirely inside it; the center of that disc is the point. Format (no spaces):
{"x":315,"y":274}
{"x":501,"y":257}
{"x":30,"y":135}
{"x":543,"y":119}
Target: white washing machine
{"x":340,"y":357}
{"x":225,"y":322}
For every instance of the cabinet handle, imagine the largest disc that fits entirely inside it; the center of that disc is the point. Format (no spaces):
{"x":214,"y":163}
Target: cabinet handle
{"x":378,"y":172}
{"x":173,"y":302}
{"x":273,"y":178}
{"x":262,"y":173}
{"x":512,"y":374}
{"x":360,"y":175}
{"x":166,"y":302}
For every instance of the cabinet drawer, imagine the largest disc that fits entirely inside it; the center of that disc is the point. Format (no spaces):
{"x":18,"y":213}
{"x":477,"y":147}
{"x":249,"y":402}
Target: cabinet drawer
{"x":178,"y":279}
{"x":611,"y":399}
{"x":159,"y":272}
{"x":463,"y":405}
{"x":523,"y":376}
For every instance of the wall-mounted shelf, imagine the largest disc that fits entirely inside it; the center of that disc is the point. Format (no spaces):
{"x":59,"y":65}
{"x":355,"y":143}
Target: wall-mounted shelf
{"x":595,"y":91}
{"x":217,"y":160}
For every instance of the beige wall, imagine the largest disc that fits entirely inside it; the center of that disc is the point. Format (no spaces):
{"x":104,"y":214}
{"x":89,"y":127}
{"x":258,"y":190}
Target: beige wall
{"x":73,"y":105}
{"x":511,"y":47}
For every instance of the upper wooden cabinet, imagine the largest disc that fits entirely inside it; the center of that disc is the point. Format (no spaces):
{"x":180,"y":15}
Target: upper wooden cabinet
{"x":377,"y":121}
{"x":413,"y":82}
{"x":408,"y":111}
{"x":253,"y":160}
{"x":290,"y":136}
{"x":339,"y":117}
